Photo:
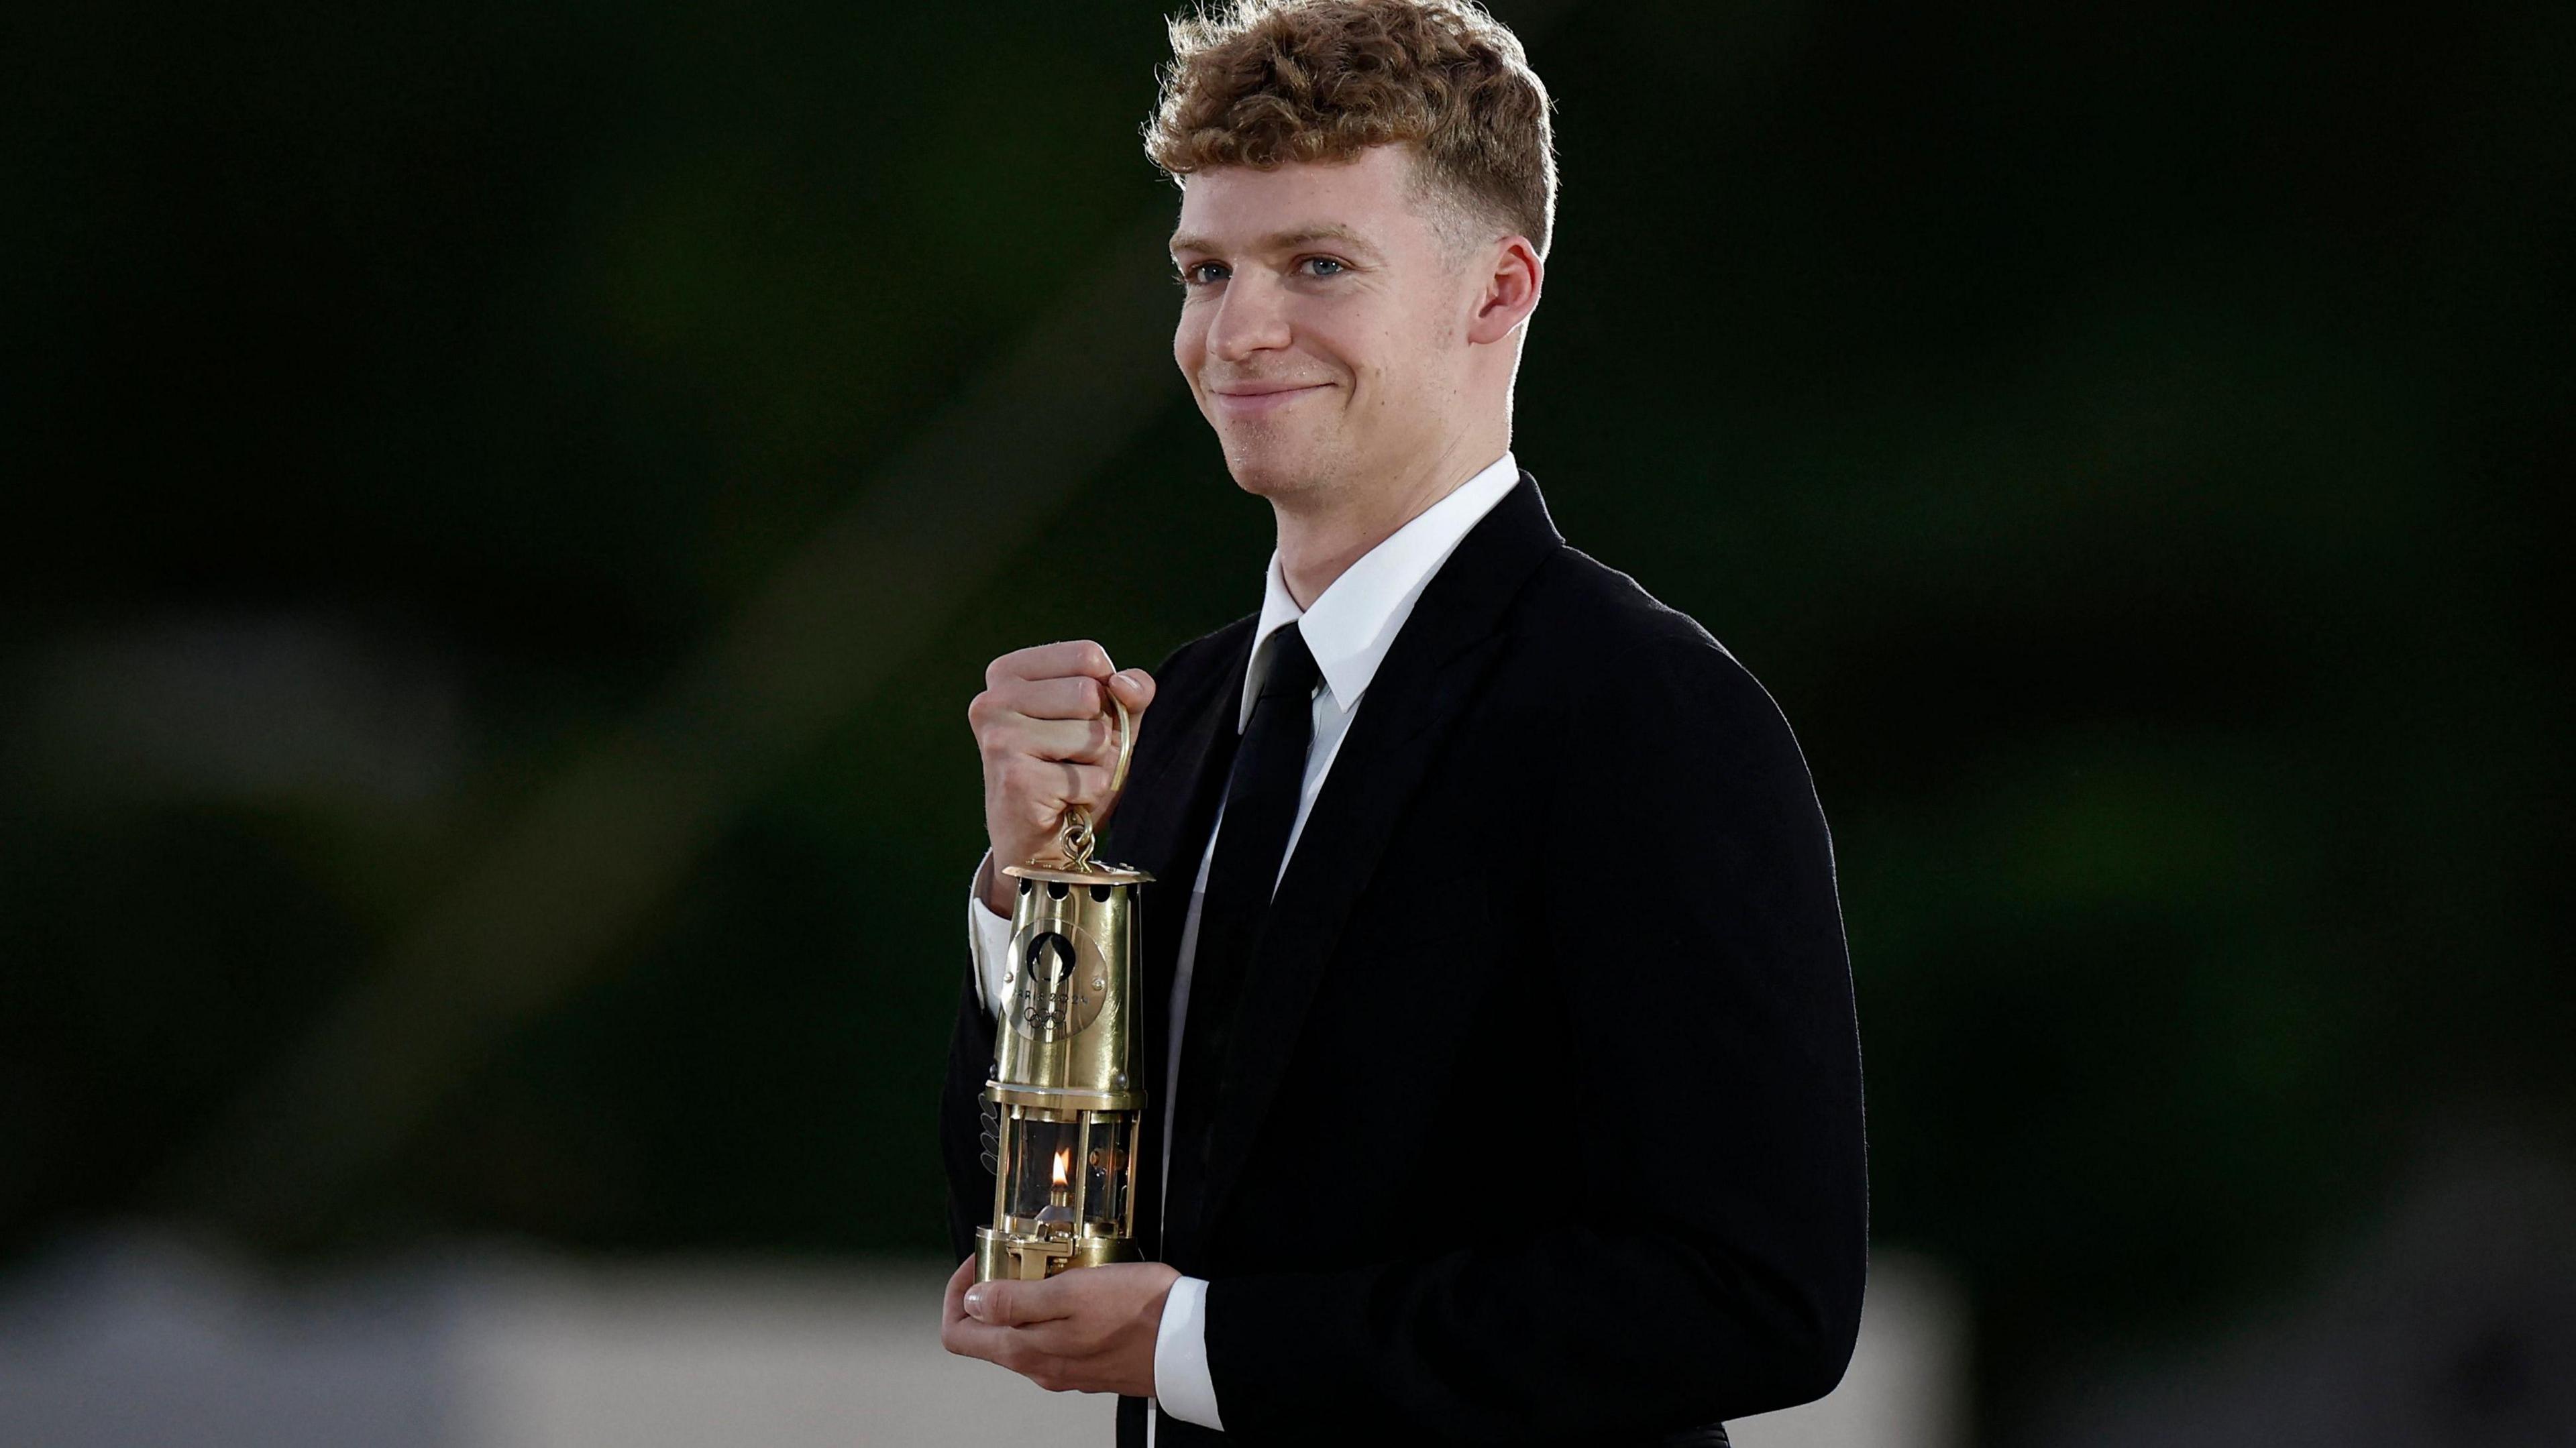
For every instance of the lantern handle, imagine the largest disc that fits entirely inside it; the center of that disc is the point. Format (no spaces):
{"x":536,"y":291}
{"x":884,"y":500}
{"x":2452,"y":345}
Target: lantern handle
{"x":1076,"y":838}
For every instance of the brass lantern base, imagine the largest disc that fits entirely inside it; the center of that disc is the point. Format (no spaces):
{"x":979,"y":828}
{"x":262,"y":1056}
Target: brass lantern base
{"x":1012,"y":1257}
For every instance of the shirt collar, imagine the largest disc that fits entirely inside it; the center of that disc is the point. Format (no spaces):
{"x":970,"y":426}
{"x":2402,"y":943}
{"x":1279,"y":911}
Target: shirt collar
{"x":1355,"y":621}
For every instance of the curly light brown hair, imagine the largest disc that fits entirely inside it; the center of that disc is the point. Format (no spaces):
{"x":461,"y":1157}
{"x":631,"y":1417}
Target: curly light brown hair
{"x":1262,"y":83}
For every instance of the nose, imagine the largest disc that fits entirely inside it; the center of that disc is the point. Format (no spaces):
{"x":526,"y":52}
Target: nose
{"x":1251,"y":316}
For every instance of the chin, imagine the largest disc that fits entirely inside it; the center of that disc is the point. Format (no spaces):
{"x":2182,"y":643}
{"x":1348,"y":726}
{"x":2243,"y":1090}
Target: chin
{"x":1262,"y":482}
{"x":1270,"y":466}
{"x":1267,"y":472}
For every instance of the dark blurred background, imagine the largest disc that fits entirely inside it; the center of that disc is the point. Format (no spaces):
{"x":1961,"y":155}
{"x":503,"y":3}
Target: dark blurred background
{"x":508,"y":505}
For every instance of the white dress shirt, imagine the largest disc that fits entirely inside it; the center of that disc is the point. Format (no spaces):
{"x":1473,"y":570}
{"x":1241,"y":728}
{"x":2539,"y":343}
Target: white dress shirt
{"x":1349,"y":630}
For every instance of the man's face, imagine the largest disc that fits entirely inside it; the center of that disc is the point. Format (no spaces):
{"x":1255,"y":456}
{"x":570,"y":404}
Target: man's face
{"x":1322,"y":330}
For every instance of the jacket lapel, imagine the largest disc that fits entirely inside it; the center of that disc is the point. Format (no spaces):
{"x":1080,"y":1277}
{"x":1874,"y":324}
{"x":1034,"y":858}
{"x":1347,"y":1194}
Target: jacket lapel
{"x":1435,"y":666}
{"x":1184,"y":747}
{"x":1168,"y":781}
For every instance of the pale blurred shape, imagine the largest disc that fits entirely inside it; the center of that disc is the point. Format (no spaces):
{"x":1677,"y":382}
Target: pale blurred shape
{"x":2447,"y":1321}
{"x":774,"y":1357}
{"x":141,"y":1339}
{"x":1908,"y":1382}
{"x":672,"y":1360}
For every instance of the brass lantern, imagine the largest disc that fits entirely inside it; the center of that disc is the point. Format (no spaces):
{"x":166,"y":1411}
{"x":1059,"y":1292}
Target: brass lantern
{"x":1066,"y":1094}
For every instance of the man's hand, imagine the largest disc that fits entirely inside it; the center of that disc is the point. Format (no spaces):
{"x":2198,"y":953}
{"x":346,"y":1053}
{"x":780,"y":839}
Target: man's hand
{"x":1039,"y":725}
{"x":1086,"y":1330}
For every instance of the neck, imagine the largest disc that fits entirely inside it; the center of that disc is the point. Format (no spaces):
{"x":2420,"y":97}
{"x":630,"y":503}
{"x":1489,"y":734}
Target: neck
{"x":1322,"y":534}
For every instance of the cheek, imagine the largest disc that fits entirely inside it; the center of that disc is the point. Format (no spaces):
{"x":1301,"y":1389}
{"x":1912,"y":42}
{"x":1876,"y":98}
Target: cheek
{"x":1351,"y":341}
{"x":1395,"y":346}
{"x":1391,"y":367}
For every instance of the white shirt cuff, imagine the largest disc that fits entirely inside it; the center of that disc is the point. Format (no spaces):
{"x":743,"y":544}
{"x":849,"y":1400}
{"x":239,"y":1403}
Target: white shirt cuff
{"x":988,"y":940}
{"x":1181,"y":1382}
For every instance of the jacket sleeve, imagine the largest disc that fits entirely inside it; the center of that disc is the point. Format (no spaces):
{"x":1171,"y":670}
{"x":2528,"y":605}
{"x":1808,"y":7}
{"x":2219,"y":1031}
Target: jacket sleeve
{"x":962,"y":1123}
{"x":1712,"y":1265}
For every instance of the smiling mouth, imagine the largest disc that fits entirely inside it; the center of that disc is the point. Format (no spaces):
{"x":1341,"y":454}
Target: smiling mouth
{"x":1256,"y":403}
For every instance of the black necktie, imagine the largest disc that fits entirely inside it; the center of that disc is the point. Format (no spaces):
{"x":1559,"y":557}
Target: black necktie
{"x":1260,"y":806}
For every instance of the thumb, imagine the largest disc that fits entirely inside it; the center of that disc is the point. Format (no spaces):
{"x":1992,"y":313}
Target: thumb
{"x":1012,"y":1304}
{"x":1135,"y":688}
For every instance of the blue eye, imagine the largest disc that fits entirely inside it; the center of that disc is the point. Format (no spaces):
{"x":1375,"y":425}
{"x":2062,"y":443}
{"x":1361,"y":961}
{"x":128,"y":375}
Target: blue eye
{"x":1322,"y":261}
{"x":1188,"y":276}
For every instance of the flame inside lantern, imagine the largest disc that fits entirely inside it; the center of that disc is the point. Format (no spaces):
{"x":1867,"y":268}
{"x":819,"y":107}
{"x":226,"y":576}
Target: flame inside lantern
{"x":1063,"y":1168}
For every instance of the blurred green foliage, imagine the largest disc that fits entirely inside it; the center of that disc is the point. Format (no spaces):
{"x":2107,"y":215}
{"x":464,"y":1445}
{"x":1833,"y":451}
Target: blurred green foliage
{"x":2128,"y":443}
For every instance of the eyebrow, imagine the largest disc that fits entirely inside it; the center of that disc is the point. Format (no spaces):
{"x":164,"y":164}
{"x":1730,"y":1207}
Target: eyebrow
{"x":1283,"y":240}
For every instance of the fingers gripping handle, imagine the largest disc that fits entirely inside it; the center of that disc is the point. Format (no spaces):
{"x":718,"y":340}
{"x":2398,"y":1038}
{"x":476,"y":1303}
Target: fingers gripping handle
{"x":1075,"y":838}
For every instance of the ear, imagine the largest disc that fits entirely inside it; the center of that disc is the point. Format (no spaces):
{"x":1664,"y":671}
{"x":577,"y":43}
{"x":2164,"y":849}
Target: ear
{"x":1511,"y":276}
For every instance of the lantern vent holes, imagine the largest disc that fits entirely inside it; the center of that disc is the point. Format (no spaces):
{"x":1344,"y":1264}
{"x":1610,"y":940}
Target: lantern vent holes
{"x":1100,"y":893}
{"x":1055,"y":889}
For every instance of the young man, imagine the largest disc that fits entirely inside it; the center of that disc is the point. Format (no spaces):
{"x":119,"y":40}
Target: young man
{"x":1509,"y":1087}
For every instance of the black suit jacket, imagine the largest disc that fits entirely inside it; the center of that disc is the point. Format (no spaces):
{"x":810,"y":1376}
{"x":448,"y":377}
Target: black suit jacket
{"x":1543,"y":1124}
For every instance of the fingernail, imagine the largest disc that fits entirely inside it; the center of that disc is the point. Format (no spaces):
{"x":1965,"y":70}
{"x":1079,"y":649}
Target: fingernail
{"x":975,"y":1301}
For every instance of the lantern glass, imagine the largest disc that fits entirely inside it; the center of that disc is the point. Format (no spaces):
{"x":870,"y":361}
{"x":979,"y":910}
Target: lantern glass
{"x":1035,"y":1192}
{"x":1106,"y":1158}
